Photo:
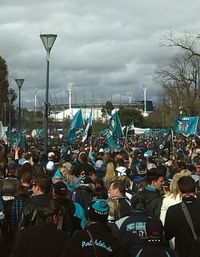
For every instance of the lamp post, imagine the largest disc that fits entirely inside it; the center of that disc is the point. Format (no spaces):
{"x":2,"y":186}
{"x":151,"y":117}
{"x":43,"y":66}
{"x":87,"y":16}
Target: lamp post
{"x":35,"y":102}
{"x":145,"y":87}
{"x":70,"y":99}
{"x":48,"y":41}
{"x":19,"y":83}
{"x":10,"y":96}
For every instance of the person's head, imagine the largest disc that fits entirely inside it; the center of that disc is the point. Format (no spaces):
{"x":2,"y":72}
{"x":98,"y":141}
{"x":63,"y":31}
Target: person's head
{"x":174,"y":190}
{"x":35,"y":158}
{"x":51,"y":156}
{"x":197,"y":171}
{"x":9,"y":186}
{"x":100,"y":192}
{"x":48,"y":212}
{"x":26,"y":178}
{"x":120,"y":161}
{"x":77,"y":171}
{"x":22,"y":191}
{"x":138,"y":203}
{"x":98,"y":211}
{"x":59,"y":190}
{"x":114,"y":211}
{"x":187,"y":185}
{"x":126,"y":180}
{"x":12,"y":169}
{"x":154,"y":228}
{"x":110,"y":172}
{"x":40,"y":184}
{"x":83,"y":157}
{"x":117,"y":189}
{"x":93,"y":175}
{"x":155,"y":178}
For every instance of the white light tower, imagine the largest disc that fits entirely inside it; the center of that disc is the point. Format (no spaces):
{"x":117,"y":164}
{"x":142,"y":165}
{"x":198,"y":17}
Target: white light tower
{"x":129,"y":97}
{"x":35,"y":103}
{"x":70,"y":98}
{"x":145,"y":87}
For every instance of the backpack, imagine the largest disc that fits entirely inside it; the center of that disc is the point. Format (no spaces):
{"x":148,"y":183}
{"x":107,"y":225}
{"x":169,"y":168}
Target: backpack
{"x":5,"y":217}
{"x":68,"y":222}
{"x":83,"y":195}
{"x":139,"y":201}
{"x":158,"y":250}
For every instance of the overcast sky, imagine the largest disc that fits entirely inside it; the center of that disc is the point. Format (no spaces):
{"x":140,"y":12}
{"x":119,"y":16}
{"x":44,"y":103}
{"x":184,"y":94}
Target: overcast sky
{"x":106,"y":47}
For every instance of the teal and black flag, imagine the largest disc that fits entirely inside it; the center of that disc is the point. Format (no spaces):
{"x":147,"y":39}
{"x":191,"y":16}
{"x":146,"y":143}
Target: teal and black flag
{"x":88,"y":130}
{"x":187,"y":125}
{"x":164,"y":144}
{"x":77,"y":124}
{"x":116,"y":127}
{"x":112,"y":145}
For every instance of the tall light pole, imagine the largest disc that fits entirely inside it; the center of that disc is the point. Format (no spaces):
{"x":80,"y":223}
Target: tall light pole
{"x":48,"y":41}
{"x":10,"y":96}
{"x":19,"y":84}
{"x":35,"y":102}
{"x":70,"y":99}
{"x":145,"y":87}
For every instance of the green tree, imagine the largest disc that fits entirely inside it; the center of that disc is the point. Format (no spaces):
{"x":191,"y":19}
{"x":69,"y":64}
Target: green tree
{"x":127,"y":115}
{"x":3,"y":84}
{"x":107,"y":109}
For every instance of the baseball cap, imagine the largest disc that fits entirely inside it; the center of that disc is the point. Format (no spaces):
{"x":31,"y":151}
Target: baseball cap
{"x":51,"y":154}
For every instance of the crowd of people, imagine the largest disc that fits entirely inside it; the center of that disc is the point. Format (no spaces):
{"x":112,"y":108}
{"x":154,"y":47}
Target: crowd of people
{"x":81,"y":199}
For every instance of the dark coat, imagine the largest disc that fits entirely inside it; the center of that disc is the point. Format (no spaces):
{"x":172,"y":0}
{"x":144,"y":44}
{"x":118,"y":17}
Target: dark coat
{"x":153,"y":200}
{"x":80,"y":245}
{"x":177,"y":226}
{"x":150,"y":249}
{"x":40,"y":241}
{"x":31,"y":205}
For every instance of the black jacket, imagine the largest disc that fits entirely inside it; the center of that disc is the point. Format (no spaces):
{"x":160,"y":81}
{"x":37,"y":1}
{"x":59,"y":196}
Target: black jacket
{"x":80,"y":245}
{"x":177,"y":226}
{"x":153,"y":200}
{"x":29,"y":211}
{"x":150,"y":249}
{"x":40,"y":241}
{"x":131,"y":231}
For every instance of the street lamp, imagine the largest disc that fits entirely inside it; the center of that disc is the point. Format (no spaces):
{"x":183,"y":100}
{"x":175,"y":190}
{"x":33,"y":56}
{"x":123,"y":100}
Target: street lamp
{"x":48,"y":41}
{"x":145,"y":87}
{"x":35,"y":103}
{"x":10,"y":97}
{"x":19,"y":84}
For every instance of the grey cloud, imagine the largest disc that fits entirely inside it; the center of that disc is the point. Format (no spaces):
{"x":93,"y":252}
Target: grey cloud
{"x":105,"y":47}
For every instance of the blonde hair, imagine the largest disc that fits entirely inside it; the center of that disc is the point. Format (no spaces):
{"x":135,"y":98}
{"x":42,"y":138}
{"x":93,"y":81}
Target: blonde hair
{"x":126,"y":180}
{"x":66,"y":174}
{"x":185,"y":172}
{"x":114,"y":208}
{"x":174,"y":190}
{"x":110,"y":173}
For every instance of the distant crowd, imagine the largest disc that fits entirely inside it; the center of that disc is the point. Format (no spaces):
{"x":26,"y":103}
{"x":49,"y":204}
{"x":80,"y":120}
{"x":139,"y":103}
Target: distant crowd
{"x":81,"y":199}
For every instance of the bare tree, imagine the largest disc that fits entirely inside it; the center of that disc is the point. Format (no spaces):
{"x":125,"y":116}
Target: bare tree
{"x":181,"y":77}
